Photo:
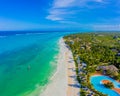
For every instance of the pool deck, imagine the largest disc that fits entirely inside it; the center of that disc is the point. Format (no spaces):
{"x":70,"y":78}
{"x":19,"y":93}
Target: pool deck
{"x":97,"y":73}
{"x":116,"y":90}
{"x":105,"y":81}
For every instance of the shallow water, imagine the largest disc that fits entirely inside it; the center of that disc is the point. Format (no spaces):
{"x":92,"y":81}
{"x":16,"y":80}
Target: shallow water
{"x":27,"y":61}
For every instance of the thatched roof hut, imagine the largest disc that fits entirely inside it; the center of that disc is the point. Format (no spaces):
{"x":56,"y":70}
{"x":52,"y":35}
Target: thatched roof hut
{"x":112,"y":68}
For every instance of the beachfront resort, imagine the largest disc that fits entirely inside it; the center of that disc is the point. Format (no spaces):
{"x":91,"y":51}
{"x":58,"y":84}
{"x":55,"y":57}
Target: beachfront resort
{"x":97,"y":61}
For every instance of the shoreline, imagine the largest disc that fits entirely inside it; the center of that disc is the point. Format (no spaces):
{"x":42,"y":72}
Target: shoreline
{"x":64,"y":81}
{"x":58,"y":82}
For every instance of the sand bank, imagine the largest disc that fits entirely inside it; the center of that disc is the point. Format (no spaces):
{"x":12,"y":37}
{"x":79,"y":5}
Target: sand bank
{"x":64,"y":82}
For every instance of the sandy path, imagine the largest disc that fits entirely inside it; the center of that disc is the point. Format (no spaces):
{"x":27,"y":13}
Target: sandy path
{"x":63,"y":83}
{"x":73,"y":85}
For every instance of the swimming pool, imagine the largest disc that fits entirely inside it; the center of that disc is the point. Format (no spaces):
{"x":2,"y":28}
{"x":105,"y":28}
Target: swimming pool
{"x":96,"y":81}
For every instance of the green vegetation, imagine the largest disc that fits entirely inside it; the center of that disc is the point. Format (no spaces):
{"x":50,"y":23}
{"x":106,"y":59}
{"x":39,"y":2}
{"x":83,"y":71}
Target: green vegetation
{"x":96,"y":50}
{"x":109,"y":85}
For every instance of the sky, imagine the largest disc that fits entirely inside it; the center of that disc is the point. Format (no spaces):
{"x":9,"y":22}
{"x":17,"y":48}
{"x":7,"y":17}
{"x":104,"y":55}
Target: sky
{"x":59,"y":15}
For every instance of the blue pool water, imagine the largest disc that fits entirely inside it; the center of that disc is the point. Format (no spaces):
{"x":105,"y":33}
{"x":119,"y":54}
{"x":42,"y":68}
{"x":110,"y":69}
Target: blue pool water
{"x":96,"y":81}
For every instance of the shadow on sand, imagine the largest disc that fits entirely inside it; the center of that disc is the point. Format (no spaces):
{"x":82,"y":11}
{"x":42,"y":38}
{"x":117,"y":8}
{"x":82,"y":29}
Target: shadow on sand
{"x":74,"y":85}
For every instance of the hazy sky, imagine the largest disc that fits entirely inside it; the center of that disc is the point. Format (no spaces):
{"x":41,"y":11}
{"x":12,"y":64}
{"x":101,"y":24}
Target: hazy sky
{"x":59,"y":14}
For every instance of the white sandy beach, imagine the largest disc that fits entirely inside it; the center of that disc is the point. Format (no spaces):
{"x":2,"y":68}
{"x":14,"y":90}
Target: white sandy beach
{"x":63,"y":83}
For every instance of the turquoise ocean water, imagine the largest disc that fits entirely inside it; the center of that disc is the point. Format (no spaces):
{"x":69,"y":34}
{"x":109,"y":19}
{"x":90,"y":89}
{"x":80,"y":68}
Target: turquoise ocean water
{"x":27,"y":61}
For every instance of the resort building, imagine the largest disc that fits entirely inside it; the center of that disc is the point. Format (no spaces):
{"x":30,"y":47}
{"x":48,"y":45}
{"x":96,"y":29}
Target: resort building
{"x":110,"y":68}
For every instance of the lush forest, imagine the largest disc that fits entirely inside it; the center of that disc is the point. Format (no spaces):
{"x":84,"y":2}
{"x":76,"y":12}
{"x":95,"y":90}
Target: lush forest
{"x":95,"y":49}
